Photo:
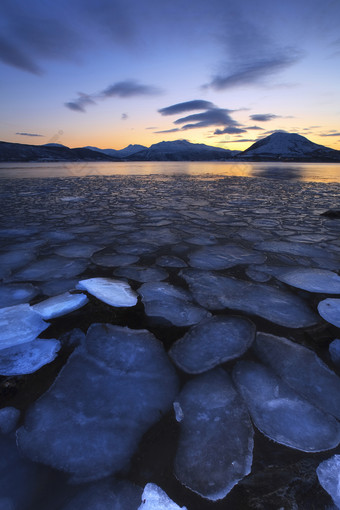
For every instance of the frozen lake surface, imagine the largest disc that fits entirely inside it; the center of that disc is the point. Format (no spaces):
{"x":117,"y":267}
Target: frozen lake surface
{"x":176,"y":254}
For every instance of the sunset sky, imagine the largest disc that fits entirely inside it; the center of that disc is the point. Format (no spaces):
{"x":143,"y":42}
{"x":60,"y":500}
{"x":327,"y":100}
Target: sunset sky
{"x":108,"y":73}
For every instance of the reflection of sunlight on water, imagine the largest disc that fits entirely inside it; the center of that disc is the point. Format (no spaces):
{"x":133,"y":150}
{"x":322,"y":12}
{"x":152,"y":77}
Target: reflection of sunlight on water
{"x":317,"y":172}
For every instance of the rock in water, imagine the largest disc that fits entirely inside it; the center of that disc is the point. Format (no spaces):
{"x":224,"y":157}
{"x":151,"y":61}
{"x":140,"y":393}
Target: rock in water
{"x":329,"y":477}
{"x":19,"y":324}
{"x":218,"y":292}
{"x":302,"y":370}
{"x":216,"y":441}
{"x":62,"y":304}
{"x":281,"y":414}
{"x":28,"y":357}
{"x":111,"y":390}
{"x":212,"y":342}
{"x":112,"y":292}
{"x":329,"y":309}
{"x":154,"y":498}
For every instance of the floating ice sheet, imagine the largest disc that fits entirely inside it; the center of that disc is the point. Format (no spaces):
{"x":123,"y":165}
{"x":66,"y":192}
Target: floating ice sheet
{"x":224,"y":256}
{"x":212,"y":342}
{"x":218,"y":292}
{"x":112,"y":292}
{"x":9,"y":417}
{"x":154,"y":498}
{"x":216,"y":440}
{"x":281,"y":414}
{"x":334,"y":351}
{"x":50,"y":268}
{"x":311,"y":279}
{"x":328,"y":473}
{"x":142,"y":274}
{"x":302,"y":370}
{"x":28,"y":357}
{"x":60,"y":305}
{"x":113,"y":259}
{"x":329,"y":309}
{"x":170,"y":261}
{"x":171,"y":303}
{"x":111,"y":390}
{"x":16,"y":293}
{"x":77,"y":250}
{"x":19,"y":324}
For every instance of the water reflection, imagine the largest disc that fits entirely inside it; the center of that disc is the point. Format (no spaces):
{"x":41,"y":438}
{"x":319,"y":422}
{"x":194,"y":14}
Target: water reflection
{"x":279,"y":172}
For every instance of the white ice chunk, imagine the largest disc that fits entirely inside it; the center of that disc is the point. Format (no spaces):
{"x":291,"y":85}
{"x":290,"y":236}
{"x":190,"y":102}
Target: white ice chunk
{"x":171,"y":303}
{"x":218,"y":292}
{"x":212,"y":342}
{"x":154,"y":498}
{"x":216,"y":439}
{"x":112,"y":292}
{"x":19,"y":324}
{"x":16,"y":293}
{"x":9,"y":417}
{"x":110,"y":391}
{"x":329,"y":309}
{"x":329,"y":477}
{"x":224,"y":256}
{"x":302,"y":370}
{"x":28,"y":357}
{"x":60,"y":305}
{"x":281,"y":414}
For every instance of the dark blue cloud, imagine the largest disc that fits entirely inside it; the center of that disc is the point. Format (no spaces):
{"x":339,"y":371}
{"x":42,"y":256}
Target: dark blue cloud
{"x":256,"y":128}
{"x":187,"y":106}
{"x":212,"y":117}
{"x":80,"y":104}
{"x":230,"y":131}
{"x":13,"y":55}
{"x":336,"y":133}
{"x":174,"y":130}
{"x":264,"y":117}
{"x":28,"y":134}
{"x":129,"y":88}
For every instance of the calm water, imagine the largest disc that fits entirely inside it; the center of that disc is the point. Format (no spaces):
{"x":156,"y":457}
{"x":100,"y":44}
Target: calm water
{"x":317,"y":172}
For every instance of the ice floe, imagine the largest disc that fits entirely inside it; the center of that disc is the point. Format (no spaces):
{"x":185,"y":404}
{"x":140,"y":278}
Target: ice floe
{"x":216,"y":439}
{"x":219,"y":292}
{"x":154,"y":498}
{"x":9,"y":417}
{"x":302,"y":370}
{"x":111,"y":390}
{"x":281,"y":414}
{"x":212,"y":342}
{"x":163,"y":300}
{"x":329,"y":309}
{"x":77,"y":250}
{"x":28,"y":357}
{"x":62,"y":304}
{"x":334,"y":351}
{"x":328,"y":473}
{"x":112,"y":292}
{"x":224,"y":256}
{"x":50,"y":268}
{"x":19,"y":324}
{"x":113,"y":259}
{"x":170,"y":261}
{"x":15,"y":293}
{"x":142,"y":274}
{"x":311,"y":279}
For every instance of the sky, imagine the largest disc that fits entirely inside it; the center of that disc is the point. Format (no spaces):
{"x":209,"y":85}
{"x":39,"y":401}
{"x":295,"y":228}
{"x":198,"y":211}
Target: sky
{"x":109,"y":73}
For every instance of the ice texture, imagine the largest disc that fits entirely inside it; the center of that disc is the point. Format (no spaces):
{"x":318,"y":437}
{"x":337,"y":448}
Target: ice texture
{"x":328,"y":473}
{"x":112,"y":292}
{"x":224,"y":256}
{"x":62,"y":304}
{"x":302,"y":370}
{"x":16,"y":293}
{"x":329,"y":309}
{"x":212,"y":342}
{"x":170,"y":261}
{"x":218,"y":292}
{"x":28,"y":357}
{"x":50,"y":268}
{"x":171,"y":303}
{"x":334,"y":351}
{"x":281,"y":414}
{"x":9,"y":417}
{"x":19,"y":324}
{"x":77,"y":250}
{"x":113,"y":259}
{"x":142,"y":274}
{"x":216,"y":439}
{"x":154,"y":498}
{"x":311,"y":279}
{"x":111,"y":390}
{"x":106,"y":495}
{"x":301,"y":249}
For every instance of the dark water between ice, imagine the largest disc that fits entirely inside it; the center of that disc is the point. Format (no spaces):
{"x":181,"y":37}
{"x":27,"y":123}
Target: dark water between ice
{"x":317,"y":172}
{"x":125,"y":209}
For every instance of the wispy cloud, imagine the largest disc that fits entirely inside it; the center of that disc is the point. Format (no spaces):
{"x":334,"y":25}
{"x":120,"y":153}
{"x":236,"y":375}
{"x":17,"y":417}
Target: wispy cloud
{"x":336,"y":133}
{"x":256,"y":128}
{"x":211,"y":117}
{"x":28,"y":134}
{"x":230,"y":131}
{"x":174,"y":130}
{"x":122,"y":89}
{"x":263,"y":117}
{"x":187,"y":106}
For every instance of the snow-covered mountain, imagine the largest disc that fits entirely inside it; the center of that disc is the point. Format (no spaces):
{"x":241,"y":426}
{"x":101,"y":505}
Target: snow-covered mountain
{"x":121,"y":153}
{"x":181,"y":150}
{"x":288,"y":146}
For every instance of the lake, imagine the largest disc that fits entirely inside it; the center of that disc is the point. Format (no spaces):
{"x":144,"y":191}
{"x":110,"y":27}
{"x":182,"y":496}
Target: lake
{"x":317,"y":172}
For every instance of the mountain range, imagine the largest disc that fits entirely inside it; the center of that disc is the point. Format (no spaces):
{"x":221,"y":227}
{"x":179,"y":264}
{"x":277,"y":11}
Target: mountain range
{"x":279,"y":146}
